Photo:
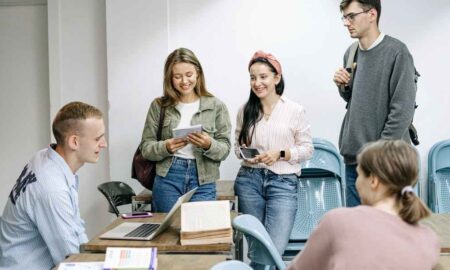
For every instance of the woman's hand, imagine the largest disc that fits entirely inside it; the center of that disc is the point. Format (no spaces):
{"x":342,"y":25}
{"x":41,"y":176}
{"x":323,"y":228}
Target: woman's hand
{"x":269,"y":157}
{"x":172,"y":145}
{"x":200,"y":139}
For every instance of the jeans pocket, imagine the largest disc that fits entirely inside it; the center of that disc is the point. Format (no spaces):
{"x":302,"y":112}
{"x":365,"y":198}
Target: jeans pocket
{"x":290,"y":180}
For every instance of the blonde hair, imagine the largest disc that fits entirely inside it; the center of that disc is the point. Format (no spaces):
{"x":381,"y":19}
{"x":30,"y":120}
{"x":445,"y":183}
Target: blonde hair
{"x":181,"y":55}
{"x":68,"y":117}
{"x":395,"y":163}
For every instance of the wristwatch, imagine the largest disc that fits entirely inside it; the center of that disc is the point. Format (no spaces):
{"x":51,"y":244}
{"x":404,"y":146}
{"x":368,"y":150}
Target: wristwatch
{"x":282,"y":154}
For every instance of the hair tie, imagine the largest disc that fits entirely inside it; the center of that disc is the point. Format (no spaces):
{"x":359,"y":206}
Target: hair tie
{"x":407,"y":189}
{"x":269,"y":57}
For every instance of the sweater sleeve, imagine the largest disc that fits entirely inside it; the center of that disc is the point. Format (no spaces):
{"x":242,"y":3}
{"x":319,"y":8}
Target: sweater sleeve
{"x":402,"y":96}
{"x":319,"y":247}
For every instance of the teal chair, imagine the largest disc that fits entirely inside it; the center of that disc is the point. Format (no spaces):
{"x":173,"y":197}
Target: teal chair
{"x":321,"y":188}
{"x":261,"y":249}
{"x":231,"y":265}
{"x":439,"y":177}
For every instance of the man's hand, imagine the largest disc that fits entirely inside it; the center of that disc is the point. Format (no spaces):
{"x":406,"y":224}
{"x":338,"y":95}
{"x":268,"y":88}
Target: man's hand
{"x":341,"y":77}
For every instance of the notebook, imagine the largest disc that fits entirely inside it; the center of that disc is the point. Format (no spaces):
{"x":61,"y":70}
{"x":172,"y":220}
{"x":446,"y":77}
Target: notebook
{"x":146,"y":231}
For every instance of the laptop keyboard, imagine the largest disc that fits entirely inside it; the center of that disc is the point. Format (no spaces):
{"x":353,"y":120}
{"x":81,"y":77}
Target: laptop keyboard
{"x":143,"y":230}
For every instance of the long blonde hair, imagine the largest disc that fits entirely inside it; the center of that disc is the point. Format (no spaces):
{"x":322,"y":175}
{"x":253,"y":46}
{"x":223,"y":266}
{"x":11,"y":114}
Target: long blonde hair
{"x":395,"y":163}
{"x":172,"y":96}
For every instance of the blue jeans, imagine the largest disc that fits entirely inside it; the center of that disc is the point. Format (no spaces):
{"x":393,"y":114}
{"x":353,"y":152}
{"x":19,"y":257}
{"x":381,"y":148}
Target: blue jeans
{"x":352,"y":196}
{"x":270,"y":197}
{"x":181,"y":177}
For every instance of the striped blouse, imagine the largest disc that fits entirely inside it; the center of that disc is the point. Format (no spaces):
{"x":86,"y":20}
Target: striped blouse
{"x":286,"y":128}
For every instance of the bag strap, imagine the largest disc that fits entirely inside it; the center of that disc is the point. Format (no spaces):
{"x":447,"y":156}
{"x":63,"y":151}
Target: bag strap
{"x":160,"y":124}
{"x":350,"y":66}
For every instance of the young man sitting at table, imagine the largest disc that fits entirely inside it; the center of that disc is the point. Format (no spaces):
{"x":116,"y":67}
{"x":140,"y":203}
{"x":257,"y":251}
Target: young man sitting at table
{"x":41,"y":223}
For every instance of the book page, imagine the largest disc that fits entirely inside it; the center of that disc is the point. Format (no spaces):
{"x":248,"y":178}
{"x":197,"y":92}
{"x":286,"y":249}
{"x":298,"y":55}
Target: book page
{"x":205,"y":215}
{"x":117,"y":258}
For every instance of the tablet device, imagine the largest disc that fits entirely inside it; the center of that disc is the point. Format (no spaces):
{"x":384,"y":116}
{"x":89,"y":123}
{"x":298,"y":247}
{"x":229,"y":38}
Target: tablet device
{"x":248,"y":153}
{"x":183,"y":132}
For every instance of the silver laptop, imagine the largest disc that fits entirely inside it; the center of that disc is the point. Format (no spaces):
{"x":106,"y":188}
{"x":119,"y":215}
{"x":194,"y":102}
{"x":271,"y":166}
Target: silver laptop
{"x":146,"y":231}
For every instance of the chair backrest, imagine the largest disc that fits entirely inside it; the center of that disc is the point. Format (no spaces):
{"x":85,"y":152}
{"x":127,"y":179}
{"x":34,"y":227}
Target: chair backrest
{"x":321,"y":188}
{"x":231,"y":265}
{"x":439,"y":177}
{"x":117,"y":193}
{"x":261,"y":249}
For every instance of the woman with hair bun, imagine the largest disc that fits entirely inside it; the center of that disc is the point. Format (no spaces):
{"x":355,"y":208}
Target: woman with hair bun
{"x":383,"y":233}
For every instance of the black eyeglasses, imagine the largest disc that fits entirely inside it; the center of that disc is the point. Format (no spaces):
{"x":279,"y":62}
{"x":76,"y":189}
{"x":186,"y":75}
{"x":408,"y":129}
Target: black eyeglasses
{"x":351,"y":16}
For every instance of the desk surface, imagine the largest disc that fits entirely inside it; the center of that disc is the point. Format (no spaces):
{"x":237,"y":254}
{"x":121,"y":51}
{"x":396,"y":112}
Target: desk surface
{"x":224,"y":189}
{"x":168,"y":241}
{"x":165,"y":261}
{"x":444,"y":262}
{"x":440,"y":223}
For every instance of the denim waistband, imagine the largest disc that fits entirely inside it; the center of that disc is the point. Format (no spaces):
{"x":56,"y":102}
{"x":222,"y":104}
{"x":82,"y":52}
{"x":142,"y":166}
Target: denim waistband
{"x":264,"y":171}
{"x":183,"y":161}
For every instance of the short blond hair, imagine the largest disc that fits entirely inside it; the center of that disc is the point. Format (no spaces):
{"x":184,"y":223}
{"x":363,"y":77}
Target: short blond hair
{"x":68,"y":117}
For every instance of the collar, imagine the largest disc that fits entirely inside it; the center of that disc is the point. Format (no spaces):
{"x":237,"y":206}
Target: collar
{"x":71,"y":178}
{"x":375,"y":43}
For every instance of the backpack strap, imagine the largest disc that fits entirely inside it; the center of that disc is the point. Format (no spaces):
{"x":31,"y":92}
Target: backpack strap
{"x":346,"y":90}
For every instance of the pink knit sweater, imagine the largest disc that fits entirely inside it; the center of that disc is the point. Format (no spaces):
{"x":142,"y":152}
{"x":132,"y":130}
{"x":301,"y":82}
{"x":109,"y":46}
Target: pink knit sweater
{"x":367,"y":238}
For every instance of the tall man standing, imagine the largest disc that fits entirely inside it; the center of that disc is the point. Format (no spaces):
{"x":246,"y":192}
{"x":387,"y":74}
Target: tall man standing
{"x":41,"y":223}
{"x":381,"y":97}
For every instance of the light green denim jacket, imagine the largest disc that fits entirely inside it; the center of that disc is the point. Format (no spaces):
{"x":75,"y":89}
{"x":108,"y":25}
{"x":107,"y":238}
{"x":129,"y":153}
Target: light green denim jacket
{"x":213,"y":115}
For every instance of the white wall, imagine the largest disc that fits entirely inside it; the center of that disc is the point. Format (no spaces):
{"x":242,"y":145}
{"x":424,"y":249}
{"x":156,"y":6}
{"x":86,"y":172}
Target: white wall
{"x":306,"y":36}
{"x":24,"y":102}
{"x":112,"y":54}
{"x":77,"y":42}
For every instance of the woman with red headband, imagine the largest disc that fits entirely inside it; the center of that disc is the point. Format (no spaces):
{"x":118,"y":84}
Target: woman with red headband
{"x":277,"y":127}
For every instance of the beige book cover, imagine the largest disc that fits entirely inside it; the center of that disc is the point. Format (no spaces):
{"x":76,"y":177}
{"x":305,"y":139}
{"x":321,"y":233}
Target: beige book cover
{"x":205,"y":222}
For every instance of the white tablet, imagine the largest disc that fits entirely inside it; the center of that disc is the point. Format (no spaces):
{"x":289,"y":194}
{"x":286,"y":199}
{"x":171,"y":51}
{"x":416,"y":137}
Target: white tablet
{"x":183,"y":132}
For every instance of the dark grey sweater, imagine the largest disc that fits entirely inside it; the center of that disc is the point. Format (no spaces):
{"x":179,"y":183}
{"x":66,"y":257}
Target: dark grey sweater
{"x":383,"y":97}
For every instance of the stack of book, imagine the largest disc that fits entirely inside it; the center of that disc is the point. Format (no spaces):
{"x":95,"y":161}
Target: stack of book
{"x":206,"y":222}
{"x":130,"y":258}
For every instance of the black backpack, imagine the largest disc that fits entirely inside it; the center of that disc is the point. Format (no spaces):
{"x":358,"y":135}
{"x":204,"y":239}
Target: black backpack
{"x":346,"y":91}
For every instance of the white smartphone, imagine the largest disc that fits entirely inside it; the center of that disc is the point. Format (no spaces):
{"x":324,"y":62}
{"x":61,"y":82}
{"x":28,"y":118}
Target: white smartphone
{"x":248,"y":153}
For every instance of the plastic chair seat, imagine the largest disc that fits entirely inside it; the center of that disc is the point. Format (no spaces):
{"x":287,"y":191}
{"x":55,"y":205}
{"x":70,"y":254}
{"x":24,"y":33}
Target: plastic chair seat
{"x":117,"y":193}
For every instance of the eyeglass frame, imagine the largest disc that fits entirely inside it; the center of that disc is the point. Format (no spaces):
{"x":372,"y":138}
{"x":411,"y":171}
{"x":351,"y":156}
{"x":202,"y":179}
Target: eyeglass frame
{"x":351,"y":16}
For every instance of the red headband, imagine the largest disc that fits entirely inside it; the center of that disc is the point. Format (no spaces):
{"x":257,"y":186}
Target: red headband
{"x":269,"y":57}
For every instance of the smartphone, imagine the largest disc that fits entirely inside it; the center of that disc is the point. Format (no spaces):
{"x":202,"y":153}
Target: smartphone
{"x":137,"y":215}
{"x":248,"y":153}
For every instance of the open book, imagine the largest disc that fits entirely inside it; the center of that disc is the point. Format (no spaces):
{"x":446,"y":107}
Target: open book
{"x":206,"y":222}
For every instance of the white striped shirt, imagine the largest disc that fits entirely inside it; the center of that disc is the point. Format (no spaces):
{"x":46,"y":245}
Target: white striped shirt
{"x":41,"y":223}
{"x":286,"y":128}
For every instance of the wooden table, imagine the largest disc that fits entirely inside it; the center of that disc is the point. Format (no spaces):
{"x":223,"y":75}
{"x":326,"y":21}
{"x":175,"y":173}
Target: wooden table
{"x":165,"y":261}
{"x":444,"y":262}
{"x":168,"y":241}
{"x":440,"y":223}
